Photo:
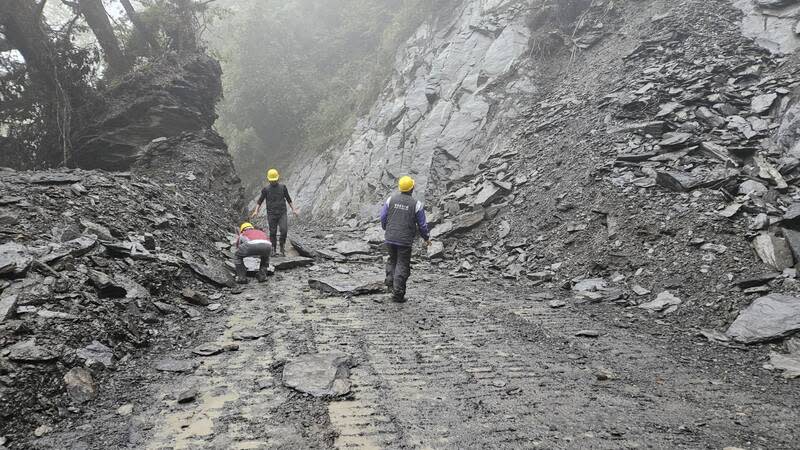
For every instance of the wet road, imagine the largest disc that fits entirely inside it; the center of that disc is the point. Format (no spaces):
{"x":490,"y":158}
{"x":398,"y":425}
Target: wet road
{"x":461,"y":365}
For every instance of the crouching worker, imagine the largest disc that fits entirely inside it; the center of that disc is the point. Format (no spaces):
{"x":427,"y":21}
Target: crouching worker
{"x":403,"y":219}
{"x":251,"y":243}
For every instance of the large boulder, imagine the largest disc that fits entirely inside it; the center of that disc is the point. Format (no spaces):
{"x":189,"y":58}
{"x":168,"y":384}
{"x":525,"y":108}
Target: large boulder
{"x":768,"y":318}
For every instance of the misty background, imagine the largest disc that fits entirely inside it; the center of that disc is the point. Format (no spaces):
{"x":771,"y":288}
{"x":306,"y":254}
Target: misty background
{"x":298,"y":73}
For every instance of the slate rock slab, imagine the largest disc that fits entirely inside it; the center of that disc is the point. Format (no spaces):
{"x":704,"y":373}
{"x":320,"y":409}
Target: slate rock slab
{"x":54,"y":178}
{"x":677,"y":181}
{"x":291,"y":262}
{"x":28,"y":351}
{"x":319,"y":375}
{"x":214,"y":273}
{"x":14,"y":260}
{"x":176,"y":366}
{"x":208,"y":350}
{"x":8,"y":303}
{"x":106,"y":286}
{"x":80,"y":385}
{"x":767,"y":318}
{"x":302,"y":248}
{"x":762,"y":103}
{"x":349,"y":286}
{"x":374,"y":235}
{"x":590,"y":285}
{"x":790,"y":364}
{"x":348,"y":248}
{"x":664,"y":301}
{"x":248,"y":334}
{"x":436,"y":250}
{"x":96,"y":353}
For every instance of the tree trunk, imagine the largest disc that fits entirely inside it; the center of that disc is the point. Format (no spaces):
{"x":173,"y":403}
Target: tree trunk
{"x":26,"y":31}
{"x":97,"y":18}
{"x":184,"y":33}
{"x":140,"y":26}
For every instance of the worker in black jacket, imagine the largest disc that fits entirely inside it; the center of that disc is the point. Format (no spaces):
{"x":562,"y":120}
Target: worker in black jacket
{"x":276,"y":196}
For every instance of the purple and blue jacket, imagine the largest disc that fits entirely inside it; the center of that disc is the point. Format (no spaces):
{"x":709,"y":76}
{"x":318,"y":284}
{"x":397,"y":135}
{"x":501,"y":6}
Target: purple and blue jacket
{"x":402,"y":217}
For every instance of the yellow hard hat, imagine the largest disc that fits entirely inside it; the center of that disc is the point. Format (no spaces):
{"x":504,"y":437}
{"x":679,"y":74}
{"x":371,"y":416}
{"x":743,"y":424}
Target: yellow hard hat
{"x":245,"y":226}
{"x":406,"y":184}
{"x":273,"y":175}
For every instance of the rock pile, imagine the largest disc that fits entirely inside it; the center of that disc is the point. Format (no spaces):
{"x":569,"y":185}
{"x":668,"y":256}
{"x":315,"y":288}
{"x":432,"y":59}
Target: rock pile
{"x":713,"y":119}
{"x":91,"y":261}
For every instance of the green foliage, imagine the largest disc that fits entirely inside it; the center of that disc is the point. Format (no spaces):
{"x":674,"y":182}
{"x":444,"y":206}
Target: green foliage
{"x":299,"y":72}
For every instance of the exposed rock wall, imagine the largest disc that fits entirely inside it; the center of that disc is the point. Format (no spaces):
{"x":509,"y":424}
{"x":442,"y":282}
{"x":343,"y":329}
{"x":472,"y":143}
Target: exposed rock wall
{"x":454,"y":84}
{"x":169,"y":99}
{"x":772,"y":23}
{"x":459,"y":86}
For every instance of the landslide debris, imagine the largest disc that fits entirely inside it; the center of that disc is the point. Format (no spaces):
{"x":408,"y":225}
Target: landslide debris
{"x":92,"y":262}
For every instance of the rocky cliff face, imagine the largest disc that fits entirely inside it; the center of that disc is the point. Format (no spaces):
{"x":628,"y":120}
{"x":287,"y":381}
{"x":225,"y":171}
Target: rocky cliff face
{"x":774,"y":24}
{"x":463,"y":85}
{"x":454,"y":85}
{"x":175,"y":96}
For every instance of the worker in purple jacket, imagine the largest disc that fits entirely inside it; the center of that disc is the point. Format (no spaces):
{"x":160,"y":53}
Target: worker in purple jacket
{"x":402,"y":217}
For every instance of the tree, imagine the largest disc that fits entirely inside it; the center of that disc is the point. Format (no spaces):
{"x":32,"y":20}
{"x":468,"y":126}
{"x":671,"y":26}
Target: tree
{"x":26,"y":31}
{"x":96,"y":16}
{"x":141,"y":27}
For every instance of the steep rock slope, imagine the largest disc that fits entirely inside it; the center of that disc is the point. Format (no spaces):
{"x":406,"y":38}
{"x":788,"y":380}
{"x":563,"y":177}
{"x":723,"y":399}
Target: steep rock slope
{"x":435,"y":119}
{"x":654,"y":167}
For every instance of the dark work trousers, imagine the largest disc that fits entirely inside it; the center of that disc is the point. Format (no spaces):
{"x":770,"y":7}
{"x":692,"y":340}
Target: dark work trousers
{"x":278,"y":222}
{"x":261,"y":249}
{"x":398,"y":269}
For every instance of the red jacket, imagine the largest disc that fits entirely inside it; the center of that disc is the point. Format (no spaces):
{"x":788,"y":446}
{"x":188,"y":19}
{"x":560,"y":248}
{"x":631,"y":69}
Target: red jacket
{"x":252,"y":235}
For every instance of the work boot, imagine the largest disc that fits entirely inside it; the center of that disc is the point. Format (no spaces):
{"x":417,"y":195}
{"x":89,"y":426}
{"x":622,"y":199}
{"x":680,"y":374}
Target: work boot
{"x":241,"y":274}
{"x":398,"y":297}
{"x":261,"y":276}
{"x":283,"y":249}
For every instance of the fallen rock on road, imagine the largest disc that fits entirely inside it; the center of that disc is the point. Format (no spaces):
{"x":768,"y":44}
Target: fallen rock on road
{"x":767,"y":318}
{"x":319,"y":375}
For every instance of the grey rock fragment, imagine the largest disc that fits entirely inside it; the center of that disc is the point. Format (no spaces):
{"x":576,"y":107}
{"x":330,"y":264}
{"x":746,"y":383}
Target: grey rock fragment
{"x":208,"y":350}
{"x":215,"y":273}
{"x":176,"y":366}
{"x":436,"y":250}
{"x":96,"y":353}
{"x":590,"y":285}
{"x":187,"y":396}
{"x":28,"y":351}
{"x":248,"y":334}
{"x":349,"y":286}
{"x":8,"y":304}
{"x":291,"y":262}
{"x":319,"y":375}
{"x":767,"y":318}
{"x":195,"y":297}
{"x":774,"y":251}
{"x":80,"y":385}
{"x":677,"y":181}
{"x":762,"y":103}
{"x":348,"y":248}
{"x":14,"y":260}
{"x":664,"y":301}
